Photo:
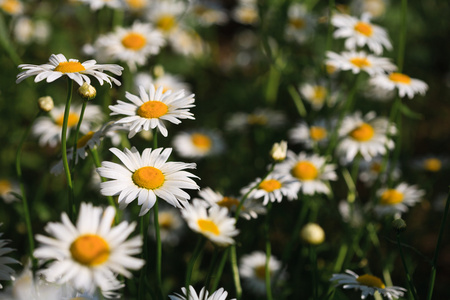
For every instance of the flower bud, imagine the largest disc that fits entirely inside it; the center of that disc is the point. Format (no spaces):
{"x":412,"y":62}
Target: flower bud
{"x":45,"y":103}
{"x":399,"y":225}
{"x":158,"y":71}
{"x":279,"y":150}
{"x":313,"y":234}
{"x":87,"y":91}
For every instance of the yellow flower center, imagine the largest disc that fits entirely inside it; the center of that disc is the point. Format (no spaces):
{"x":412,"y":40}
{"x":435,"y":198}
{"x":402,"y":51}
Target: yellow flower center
{"x":136,"y":4}
{"x":432,"y":164}
{"x":201,"y":141}
{"x":319,"y":94}
{"x":375,"y":167}
{"x":71,"y":121}
{"x":166,"y":22}
{"x":400,"y":78}
{"x":257,"y":119}
{"x":260,"y":272}
{"x":391,"y":197}
{"x":297,"y":23}
{"x":228,"y":202}
{"x":270,"y":185}
{"x":248,"y":15}
{"x":370,"y":280}
{"x":70,"y":67}
{"x":11,"y":6}
{"x":89,"y":250}
{"x":304,"y":170}
{"x":134,"y":41}
{"x":84,"y":139}
{"x":5,"y":186}
{"x":362,"y":133}
{"x":152,"y":109}
{"x":364,"y":28}
{"x":317,"y":133}
{"x":208,"y":226}
{"x":165,"y":220}
{"x":148,"y":178}
{"x":360,"y":62}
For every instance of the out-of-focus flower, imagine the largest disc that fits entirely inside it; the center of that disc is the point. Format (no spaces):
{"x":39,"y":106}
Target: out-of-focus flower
{"x":12,"y":7}
{"x":59,"y":66}
{"x":198,"y":143}
{"x":166,"y":15}
{"x":188,"y":43}
{"x":220,"y":294}
{"x":145,"y":177}
{"x":45,"y":103}
{"x":278,"y":151}
{"x":313,"y":234}
{"x":27,"y":31}
{"x":7,"y":188}
{"x":213,"y":222}
{"x":246,"y":12}
{"x":376,"y":8}
{"x":273,"y":188}
{"x":300,"y":24}
{"x":370,"y":171}
{"x":431,"y":163}
{"x":98,"y":4}
{"x":317,"y":95}
{"x":367,"y":284}
{"x":167,"y":81}
{"x":6,"y":272}
{"x":137,"y":6}
{"x":365,"y":135}
{"x":310,"y":136}
{"x":395,"y":201}
{"x":360,"y":32}
{"x":360,"y":61}
{"x":150,"y":110}
{"x":260,"y":117}
{"x":405,"y":85}
{"x":171,"y":225}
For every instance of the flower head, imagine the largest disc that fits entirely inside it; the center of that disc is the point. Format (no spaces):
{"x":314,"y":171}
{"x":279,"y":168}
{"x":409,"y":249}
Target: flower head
{"x":405,"y":85}
{"x":360,"y":61}
{"x":59,"y":66}
{"x":150,"y":110}
{"x":395,"y":201}
{"x":273,"y":188}
{"x":6,"y":272}
{"x":278,"y":151}
{"x":368,"y":284}
{"x":310,"y":135}
{"x":220,"y":294}
{"x":145,"y":177}
{"x":198,"y":143}
{"x":90,"y":253}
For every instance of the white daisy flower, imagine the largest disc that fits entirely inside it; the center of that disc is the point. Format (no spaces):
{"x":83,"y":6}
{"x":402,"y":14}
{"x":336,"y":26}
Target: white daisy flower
{"x":90,"y":253}
{"x":317,"y":95}
{"x":6,"y":272}
{"x":171,"y":225}
{"x":405,"y":85}
{"x":59,"y":66}
{"x":310,"y":136}
{"x":148,"y":111}
{"x":188,"y":43}
{"x":365,"y":135}
{"x":208,"y":13}
{"x":396,"y":201}
{"x":252,"y":268}
{"x":98,"y":4}
{"x":132,"y":45}
{"x":250,"y":210}
{"x":7,"y":188}
{"x":220,"y":294}
{"x":376,"y":93}
{"x":300,"y":24}
{"x":246,"y":12}
{"x":137,"y":6}
{"x":12,"y":7}
{"x":360,"y":32}
{"x":311,"y":171}
{"x":27,"y":31}
{"x":49,"y":128}
{"x":198,"y":143}
{"x":360,"y":61}
{"x":166,"y":15}
{"x":376,"y":8}
{"x":431,"y":163}
{"x":213,"y":222}
{"x":264,"y":117}
{"x":367,"y":284}
{"x":167,"y":81}
{"x":145,"y":177}
{"x":369,"y":171}
{"x":273,"y":188}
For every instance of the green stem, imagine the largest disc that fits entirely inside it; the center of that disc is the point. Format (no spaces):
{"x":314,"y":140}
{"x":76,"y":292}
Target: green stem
{"x":4,"y":41}
{"x":405,"y":266}
{"x":212,"y":267}
{"x":268,"y":253}
{"x":158,"y":250}
{"x":402,"y":37}
{"x":436,"y":251}
{"x":26,"y":210}
{"x":313,"y":261}
{"x":96,"y":159}
{"x":220,"y":269}
{"x":235,"y":269}
{"x":273,"y":84}
{"x":297,"y":101}
{"x":142,"y":293}
{"x":64,"y":148}
{"x":330,"y":27}
{"x":198,"y":249}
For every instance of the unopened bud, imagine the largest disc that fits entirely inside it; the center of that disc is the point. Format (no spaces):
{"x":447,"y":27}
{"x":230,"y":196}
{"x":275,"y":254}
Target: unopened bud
{"x":313,"y":234}
{"x":87,"y":91}
{"x":158,"y":71}
{"x":399,"y":225}
{"x":45,"y":103}
{"x":279,"y":150}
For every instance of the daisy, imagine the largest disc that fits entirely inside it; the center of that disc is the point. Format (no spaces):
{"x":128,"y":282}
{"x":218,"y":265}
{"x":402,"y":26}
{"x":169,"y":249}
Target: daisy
{"x":137,"y":6}
{"x":27,"y":31}
{"x":317,"y":95}
{"x":376,"y":8}
{"x":368,"y":284}
{"x":59,"y":66}
{"x":90,"y":253}
{"x":188,"y":43}
{"x":12,"y":7}
{"x":311,"y":171}
{"x":6,"y":272}
{"x":395,"y":201}
{"x":300,"y":25}
{"x":171,"y":226}
{"x":246,"y":12}
{"x":360,"y":32}
{"x":431,"y":163}
{"x":166,"y":80}
{"x":365,"y":135}
{"x":360,"y":61}
{"x":198,"y":143}
{"x":8,"y":188}
{"x":98,"y":4}
{"x":145,"y":177}
{"x":220,"y":294}
{"x":213,"y":222}
{"x":49,"y":128}
{"x":252,"y":268}
{"x":405,"y":85}
{"x":148,"y":111}
{"x":250,"y":210}
{"x":263,"y":117}
{"x":310,"y":136}
{"x":166,"y":15}
{"x":273,"y":188}
{"x":370,"y":171}
{"x":132,"y":45}
{"x":208,"y":13}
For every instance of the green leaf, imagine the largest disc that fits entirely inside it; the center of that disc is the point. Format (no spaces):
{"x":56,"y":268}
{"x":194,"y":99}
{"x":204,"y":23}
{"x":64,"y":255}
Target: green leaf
{"x":406,"y":111}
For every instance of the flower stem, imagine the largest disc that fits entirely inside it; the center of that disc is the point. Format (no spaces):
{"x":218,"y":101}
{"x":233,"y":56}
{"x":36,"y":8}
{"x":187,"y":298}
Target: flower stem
{"x":158,"y":251}
{"x":297,"y":101}
{"x":313,"y":261}
{"x":436,"y":251}
{"x":64,"y":148}
{"x":235,"y":269}
{"x":212,"y":266}
{"x":405,"y":266}
{"x":268,"y":253}
{"x":220,"y":269}
{"x":142,"y":293}
{"x":402,"y":37}
{"x":26,"y":210}
{"x":198,"y":249}
{"x":96,"y":159}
